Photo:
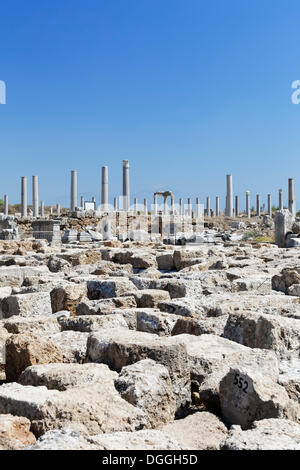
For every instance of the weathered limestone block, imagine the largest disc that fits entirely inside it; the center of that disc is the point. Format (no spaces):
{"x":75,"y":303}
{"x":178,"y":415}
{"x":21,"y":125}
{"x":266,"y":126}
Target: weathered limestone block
{"x":283,"y":224}
{"x":72,"y":345}
{"x":264,"y":331}
{"x":207,"y":353}
{"x":10,"y":276}
{"x":176,"y":287}
{"x":94,"y":409}
{"x":90,"y":323}
{"x":35,"y":325}
{"x":201,"y":430}
{"x":83,"y":257}
{"x":149,"y":439}
{"x":90,"y":410}
{"x":105,"y":306}
{"x":184,"y":308}
{"x":15,"y":432}
{"x":108,"y":288}
{"x":56,"y":264}
{"x":120,"y":348}
{"x":23,"y":350}
{"x":64,"y":376}
{"x":143,"y":260}
{"x":62,"y":439}
{"x":294,"y":290}
{"x":149,"y":298}
{"x":119,"y":256}
{"x":184,"y":258}
{"x":247,"y":396}
{"x":165,"y":261}
{"x":147,"y":385}
{"x":18,"y":400}
{"x":287,"y":278}
{"x":67,"y":297}
{"x":201,"y":326}
{"x":111,"y":269}
{"x":4,"y":335}
{"x":27,"y":305}
{"x":151,"y":321}
{"x":266,"y":434}
{"x":289,"y":377}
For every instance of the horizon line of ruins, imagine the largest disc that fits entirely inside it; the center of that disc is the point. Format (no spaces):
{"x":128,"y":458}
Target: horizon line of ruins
{"x":122,"y":203}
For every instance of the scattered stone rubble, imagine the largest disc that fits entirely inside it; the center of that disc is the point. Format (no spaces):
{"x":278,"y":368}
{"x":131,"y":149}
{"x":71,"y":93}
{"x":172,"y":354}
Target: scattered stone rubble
{"x":141,"y":344}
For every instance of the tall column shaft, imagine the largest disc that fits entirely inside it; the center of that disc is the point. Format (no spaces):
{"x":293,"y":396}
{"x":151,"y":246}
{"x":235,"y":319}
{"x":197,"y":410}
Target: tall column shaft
{"x":82,"y":202}
{"x":208,"y":206}
{"x":146,"y":206}
{"x":104,"y":189}
{"x":126,"y":186}
{"x":115,"y":204}
{"x":73,"y":202}
{"x":5,"y":204}
{"x":292,"y":199}
{"x":229,"y":197}
{"x":237,"y":206}
{"x":248,"y":213}
{"x":24,"y":196}
{"x":180,"y":206}
{"x":280,"y":200}
{"x":197,"y":207}
{"x":217,"y":206}
{"x":269,"y":205}
{"x":258,"y":205}
{"x":35,"y":196}
{"x":42,"y":209}
{"x":189,"y":207}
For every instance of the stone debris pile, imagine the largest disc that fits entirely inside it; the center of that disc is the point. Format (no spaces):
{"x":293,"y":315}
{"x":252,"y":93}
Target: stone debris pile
{"x":139,"y":344}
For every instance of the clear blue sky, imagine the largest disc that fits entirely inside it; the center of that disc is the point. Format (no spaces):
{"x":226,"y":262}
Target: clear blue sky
{"x":187,"y":90}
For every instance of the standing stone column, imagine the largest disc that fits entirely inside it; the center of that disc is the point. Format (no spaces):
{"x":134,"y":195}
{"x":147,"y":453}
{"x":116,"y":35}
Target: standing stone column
{"x":197,"y":207}
{"x":104,"y":189}
{"x":269,"y":205}
{"x":146,"y":206}
{"x":180,"y":206}
{"x":229,"y":197}
{"x":208,"y":206}
{"x":115,"y":204}
{"x":189,"y":207}
{"x":217,"y":206}
{"x":5,"y":204}
{"x":292,"y":199}
{"x":58,"y":209}
{"x":172,"y":205}
{"x":248,"y":209}
{"x":237,"y":206}
{"x":135,"y":205}
{"x":258,"y":205}
{"x":51,"y":210}
{"x":155,"y":204}
{"x":165,"y":206}
{"x":42,"y":209}
{"x":280,"y":200}
{"x":35,"y":196}
{"x":126,"y":185}
{"x":73,"y":190}
{"x":24,"y":196}
{"x":82,"y":202}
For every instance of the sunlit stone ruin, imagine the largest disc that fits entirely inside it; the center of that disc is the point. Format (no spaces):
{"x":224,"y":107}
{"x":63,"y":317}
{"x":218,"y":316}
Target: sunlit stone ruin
{"x":168,"y":323}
